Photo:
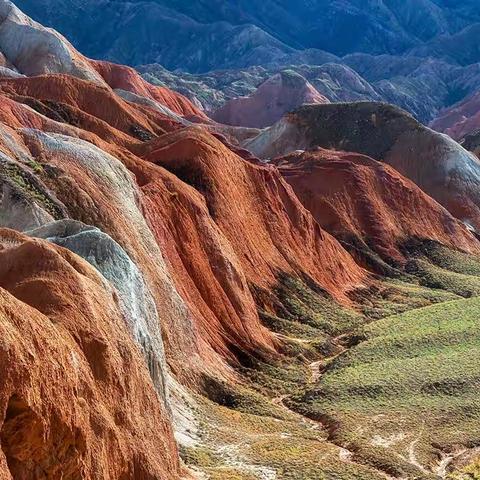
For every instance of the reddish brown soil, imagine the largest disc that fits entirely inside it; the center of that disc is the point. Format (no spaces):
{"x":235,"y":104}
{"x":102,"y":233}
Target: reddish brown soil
{"x":126,"y":78}
{"x":76,"y":394}
{"x":461,"y":119}
{"x":359,"y":199}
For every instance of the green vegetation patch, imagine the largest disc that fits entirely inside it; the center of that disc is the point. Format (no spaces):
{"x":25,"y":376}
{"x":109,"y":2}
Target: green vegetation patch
{"x":26,"y":183}
{"x":239,"y":446}
{"x":410,"y":391}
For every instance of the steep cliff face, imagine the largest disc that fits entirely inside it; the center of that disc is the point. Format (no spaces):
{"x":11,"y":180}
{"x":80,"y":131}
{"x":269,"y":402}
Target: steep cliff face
{"x":153,"y":270}
{"x":76,"y":397}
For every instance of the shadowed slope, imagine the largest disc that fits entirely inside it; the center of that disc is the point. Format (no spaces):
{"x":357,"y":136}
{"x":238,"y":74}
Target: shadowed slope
{"x":277,"y":233}
{"x":437,"y":164}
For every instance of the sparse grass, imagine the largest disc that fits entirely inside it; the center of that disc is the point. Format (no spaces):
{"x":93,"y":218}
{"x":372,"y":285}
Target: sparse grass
{"x":23,"y":181}
{"x":391,"y":297}
{"x":469,"y":472}
{"x":434,"y":276}
{"x":452,"y":260}
{"x":404,"y":393}
{"x":308,"y":305}
{"x":414,"y":383}
{"x":235,"y":445}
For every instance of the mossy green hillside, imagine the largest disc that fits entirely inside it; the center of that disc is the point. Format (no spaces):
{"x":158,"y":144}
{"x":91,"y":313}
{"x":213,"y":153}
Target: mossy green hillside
{"x":411,"y":390}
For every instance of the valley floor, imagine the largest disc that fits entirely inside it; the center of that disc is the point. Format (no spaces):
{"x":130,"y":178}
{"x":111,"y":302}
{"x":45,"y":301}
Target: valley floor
{"x":390,"y":390}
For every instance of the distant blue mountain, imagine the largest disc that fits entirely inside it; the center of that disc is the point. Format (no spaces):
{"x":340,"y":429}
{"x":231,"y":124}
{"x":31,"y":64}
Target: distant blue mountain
{"x":202,"y":35}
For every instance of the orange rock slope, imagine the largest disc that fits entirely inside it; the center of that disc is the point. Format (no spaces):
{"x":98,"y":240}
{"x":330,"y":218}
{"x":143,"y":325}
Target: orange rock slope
{"x":369,"y":205}
{"x":226,"y":224}
{"x":126,"y":78}
{"x":213,"y":271}
{"x":76,"y":395}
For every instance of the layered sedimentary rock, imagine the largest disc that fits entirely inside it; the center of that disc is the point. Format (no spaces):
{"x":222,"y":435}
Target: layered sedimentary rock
{"x":89,"y":184}
{"x":226,"y":225}
{"x":134,"y":297}
{"x":120,"y":77}
{"x":140,"y":247}
{"x":461,"y":119}
{"x":418,"y":54}
{"x":229,"y":34}
{"x":368,"y":205}
{"x":437,"y":164}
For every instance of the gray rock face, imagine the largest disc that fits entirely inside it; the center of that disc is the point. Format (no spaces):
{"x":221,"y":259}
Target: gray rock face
{"x":34,"y":49}
{"x":135,"y":300}
{"x":201,"y":36}
{"x":418,"y":86}
{"x":416,"y":54}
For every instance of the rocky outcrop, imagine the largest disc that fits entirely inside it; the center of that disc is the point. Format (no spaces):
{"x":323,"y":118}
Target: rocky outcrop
{"x":135,"y":299}
{"x":32,"y":49}
{"x":438,"y":165}
{"x":147,"y":253}
{"x":280,"y":94}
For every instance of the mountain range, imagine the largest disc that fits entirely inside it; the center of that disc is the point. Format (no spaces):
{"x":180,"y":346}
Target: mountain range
{"x":421,"y":55}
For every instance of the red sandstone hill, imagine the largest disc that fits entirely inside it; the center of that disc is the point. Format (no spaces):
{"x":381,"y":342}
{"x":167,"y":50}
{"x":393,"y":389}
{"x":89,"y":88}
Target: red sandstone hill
{"x":369,"y":205}
{"x":168,"y":234}
{"x":278,"y":95}
{"x":88,"y":101}
{"x":433,"y":161}
{"x":279,"y":249}
{"x":126,"y":78}
{"x":198,"y":196}
{"x":279,"y":236}
{"x":75,"y":389}
{"x":276,"y":232}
